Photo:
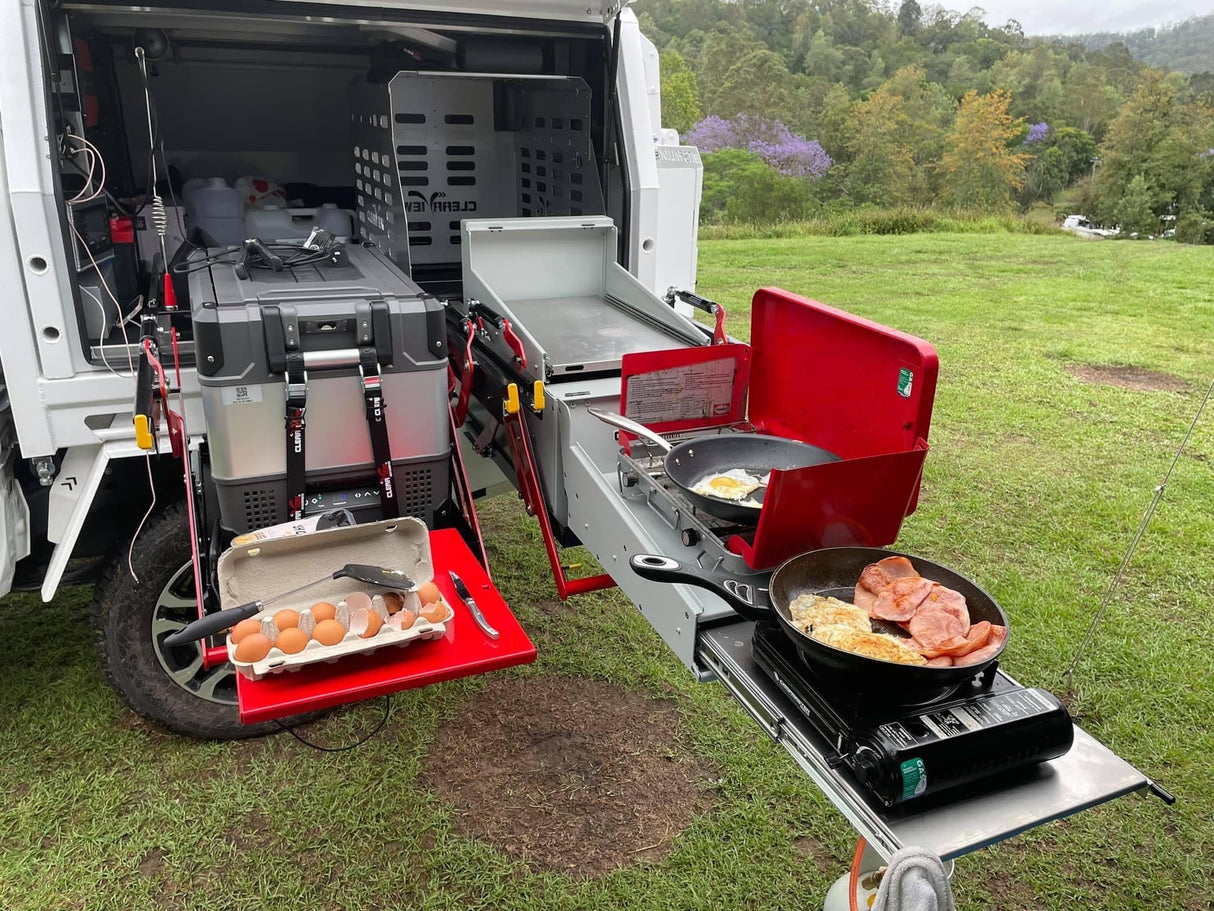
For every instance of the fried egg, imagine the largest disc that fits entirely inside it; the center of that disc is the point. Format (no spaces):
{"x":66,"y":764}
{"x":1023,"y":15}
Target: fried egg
{"x":734,"y":484}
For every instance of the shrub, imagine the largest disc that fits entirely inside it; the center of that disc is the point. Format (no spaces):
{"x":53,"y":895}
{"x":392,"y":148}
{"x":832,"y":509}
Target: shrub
{"x":857,"y":222}
{"x":771,"y":140}
{"x":740,"y":187}
{"x":1194,"y":229}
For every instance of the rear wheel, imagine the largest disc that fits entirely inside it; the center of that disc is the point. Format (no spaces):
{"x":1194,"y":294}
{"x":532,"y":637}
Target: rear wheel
{"x":131,"y":621}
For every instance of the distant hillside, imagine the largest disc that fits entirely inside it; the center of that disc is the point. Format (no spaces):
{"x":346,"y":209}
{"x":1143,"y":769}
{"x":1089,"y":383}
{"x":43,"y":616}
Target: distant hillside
{"x":1187,"y":46}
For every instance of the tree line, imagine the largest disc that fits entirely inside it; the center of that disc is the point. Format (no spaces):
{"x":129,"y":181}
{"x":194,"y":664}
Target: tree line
{"x":804,"y":108}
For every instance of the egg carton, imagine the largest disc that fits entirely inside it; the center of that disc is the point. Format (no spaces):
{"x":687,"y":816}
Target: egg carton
{"x":260,"y":570}
{"x":355,"y":622}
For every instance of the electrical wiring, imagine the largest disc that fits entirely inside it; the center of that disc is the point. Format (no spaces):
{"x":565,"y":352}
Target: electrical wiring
{"x":350,"y":746}
{"x":88,"y":175}
{"x":101,"y":341}
{"x":130,"y":554}
{"x":95,"y":158}
{"x":303,"y":257}
{"x":126,"y":342}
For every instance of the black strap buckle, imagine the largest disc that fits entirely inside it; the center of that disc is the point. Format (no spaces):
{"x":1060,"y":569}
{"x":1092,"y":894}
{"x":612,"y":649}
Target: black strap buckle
{"x":296,"y":420}
{"x":377,"y":426}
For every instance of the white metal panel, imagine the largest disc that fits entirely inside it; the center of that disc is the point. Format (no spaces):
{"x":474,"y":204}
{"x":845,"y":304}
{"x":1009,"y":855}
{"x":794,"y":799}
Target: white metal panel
{"x":68,"y":488}
{"x":639,"y":138}
{"x":30,"y":187}
{"x":681,"y":176}
{"x":14,"y":511}
{"x":653,"y":84}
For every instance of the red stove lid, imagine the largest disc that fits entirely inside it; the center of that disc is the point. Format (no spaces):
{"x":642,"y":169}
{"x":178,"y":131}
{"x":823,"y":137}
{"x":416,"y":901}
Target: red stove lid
{"x":836,"y":380}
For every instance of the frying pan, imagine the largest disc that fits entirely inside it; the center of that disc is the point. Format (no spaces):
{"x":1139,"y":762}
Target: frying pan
{"x":832,"y":572}
{"x":691,"y":461}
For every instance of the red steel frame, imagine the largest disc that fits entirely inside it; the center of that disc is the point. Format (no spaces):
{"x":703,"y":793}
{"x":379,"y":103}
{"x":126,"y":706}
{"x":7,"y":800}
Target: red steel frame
{"x":532,"y":491}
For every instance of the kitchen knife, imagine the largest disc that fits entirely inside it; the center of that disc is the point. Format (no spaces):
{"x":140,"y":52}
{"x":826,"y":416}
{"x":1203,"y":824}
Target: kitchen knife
{"x":466,"y":596}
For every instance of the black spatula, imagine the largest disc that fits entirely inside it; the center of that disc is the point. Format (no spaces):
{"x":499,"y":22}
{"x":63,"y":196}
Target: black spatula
{"x":221,"y":620}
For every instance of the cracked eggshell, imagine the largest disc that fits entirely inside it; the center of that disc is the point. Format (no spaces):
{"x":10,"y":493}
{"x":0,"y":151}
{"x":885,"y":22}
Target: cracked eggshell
{"x":357,"y":601}
{"x":365,"y":623}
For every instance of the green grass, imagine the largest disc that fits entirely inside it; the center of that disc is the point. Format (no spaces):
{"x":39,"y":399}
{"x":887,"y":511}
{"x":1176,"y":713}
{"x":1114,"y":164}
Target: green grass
{"x":1034,"y":486}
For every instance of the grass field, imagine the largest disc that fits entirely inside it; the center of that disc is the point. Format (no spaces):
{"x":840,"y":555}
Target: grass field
{"x":1034,"y":486}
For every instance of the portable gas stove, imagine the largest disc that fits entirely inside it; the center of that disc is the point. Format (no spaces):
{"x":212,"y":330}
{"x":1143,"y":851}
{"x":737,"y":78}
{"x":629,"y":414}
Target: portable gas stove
{"x":986,"y":728}
{"x":641,"y":476}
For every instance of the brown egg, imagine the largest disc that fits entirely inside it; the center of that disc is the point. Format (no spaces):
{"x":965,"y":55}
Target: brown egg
{"x":407,"y":619}
{"x":328,"y":632}
{"x":291,"y":640}
{"x":253,"y":647}
{"x":244,"y":628}
{"x":373,"y":623}
{"x":286,"y":618}
{"x":435,"y":613}
{"x":323,"y":610}
{"x":393,"y":601}
{"x":429,"y":593}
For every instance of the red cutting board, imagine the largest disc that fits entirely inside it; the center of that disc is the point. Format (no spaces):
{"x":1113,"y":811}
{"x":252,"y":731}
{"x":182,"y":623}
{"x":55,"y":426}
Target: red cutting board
{"x":462,"y":652}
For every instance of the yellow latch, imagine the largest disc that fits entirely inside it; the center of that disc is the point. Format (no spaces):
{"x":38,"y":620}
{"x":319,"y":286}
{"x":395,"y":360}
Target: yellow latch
{"x":144,"y":438}
{"x":537,"y":396}
{"x":511,"y":404}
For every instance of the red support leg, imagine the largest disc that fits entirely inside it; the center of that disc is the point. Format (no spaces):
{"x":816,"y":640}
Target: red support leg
{"x":464,"y":492}
{"x":533,"y":496}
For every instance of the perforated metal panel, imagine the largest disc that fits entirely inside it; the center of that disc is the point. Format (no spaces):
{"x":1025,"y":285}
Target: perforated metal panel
{"x":260,"y":507}
{"x":450,"y":160}
{"x":557,"y":174}
{"x":379,"y":211}
{"x":434,"y":148}
{"x":421,"y":488}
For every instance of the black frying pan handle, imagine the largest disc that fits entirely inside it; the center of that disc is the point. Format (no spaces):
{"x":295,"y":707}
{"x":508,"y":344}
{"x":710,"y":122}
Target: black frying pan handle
{"x":747,"y":595}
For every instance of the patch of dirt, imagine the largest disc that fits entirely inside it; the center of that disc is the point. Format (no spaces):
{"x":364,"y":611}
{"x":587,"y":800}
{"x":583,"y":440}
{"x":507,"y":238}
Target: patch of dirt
{"x":1124,"y":377}
{"x":152,"y":864}
{"x":575,"y":776}
{"x":553,"y":607}
{"x":253,"y":834}
{"x":817,"y":853}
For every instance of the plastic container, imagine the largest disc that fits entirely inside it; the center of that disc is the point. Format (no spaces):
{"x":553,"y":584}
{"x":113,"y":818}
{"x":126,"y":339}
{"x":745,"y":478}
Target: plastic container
{"x":276,"y":224}
{"x":214,"y":207}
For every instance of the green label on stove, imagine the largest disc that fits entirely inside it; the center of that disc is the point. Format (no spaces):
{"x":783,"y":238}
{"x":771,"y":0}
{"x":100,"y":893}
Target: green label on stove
{"x":914,"y":778}
{"x":906,"y":382}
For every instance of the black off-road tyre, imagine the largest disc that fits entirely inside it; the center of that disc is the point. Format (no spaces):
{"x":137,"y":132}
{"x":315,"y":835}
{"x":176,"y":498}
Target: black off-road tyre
{"x":130,"y":621}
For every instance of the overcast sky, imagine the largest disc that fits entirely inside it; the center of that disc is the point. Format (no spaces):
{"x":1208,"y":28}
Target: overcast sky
{"x":1050,"y":17}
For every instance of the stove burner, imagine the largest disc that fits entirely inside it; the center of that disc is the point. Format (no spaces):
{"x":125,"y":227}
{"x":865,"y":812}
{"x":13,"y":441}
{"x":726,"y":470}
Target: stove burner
{"x":845,"y":690}
{"x":642,"y":475}
{"x":980,"y":731}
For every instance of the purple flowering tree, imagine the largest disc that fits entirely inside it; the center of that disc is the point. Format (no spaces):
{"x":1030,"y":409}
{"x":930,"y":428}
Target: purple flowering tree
{"x":771,"y":140}
{"x":1037,"y":132}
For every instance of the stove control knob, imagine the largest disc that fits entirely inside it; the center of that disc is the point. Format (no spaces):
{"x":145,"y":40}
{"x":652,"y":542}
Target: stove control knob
{"x":867,"y":765}
{"x":690,"y":537}
{"x":631,"y":480}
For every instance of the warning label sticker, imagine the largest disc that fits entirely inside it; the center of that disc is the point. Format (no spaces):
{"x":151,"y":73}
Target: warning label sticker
{"x":687,"y":393}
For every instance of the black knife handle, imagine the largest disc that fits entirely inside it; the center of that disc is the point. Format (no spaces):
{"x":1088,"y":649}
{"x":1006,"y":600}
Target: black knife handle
{"x":212,"y":624}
